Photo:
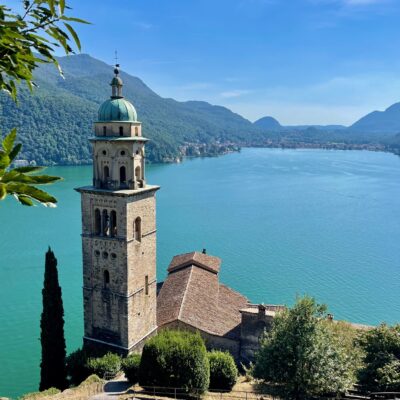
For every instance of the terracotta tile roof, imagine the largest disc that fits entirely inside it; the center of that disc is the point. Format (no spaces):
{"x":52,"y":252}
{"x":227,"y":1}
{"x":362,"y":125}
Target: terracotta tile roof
{"x":192,"y":294}
{"x":202,"y":260}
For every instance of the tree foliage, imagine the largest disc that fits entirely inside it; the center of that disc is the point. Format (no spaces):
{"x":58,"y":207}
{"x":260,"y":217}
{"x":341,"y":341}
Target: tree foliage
{"x":382,"y":358}
{"x":302,"y":354}
{"x":106,"y":366}
{"x":223,"y":370}
{"x":52,"y":367}
{"x":76,"y":364}
{"x":130,"y":366}
{"x":175,"y":359}
{"x":30,"y":38}
{"x":19,"y":181}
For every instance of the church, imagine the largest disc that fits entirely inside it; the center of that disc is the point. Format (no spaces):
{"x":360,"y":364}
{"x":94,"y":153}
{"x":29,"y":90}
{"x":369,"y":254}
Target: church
{"x":123,"y":303}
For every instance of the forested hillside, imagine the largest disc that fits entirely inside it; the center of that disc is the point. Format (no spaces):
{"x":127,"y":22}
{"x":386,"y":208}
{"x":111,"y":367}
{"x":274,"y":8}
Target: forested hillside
{"x":55,"y":122}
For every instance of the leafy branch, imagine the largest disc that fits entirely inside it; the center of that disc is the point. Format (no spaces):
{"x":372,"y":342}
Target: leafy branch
{"x":20,"y":182}
{"x":30,"y":39}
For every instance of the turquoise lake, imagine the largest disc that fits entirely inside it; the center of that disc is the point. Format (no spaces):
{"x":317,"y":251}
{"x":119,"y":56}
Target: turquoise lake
{"x":284,"y":222}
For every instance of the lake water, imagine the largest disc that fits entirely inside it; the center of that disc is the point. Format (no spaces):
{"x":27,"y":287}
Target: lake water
{"x":284,"y":222}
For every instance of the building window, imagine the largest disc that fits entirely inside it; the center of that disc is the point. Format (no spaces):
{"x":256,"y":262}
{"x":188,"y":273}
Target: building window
{"x":137,"y":173}
{"x":97,"y":221}
{"x":137,"y":228}
{"x":106,"y":172}
{"x":122,"y":176}
{"x":136,"y":131}
{"x":106,"y":276}
{"x":123,"y":152}
{"x":104,"y":130}
{"x":106,"y":223}
{"x":146,"y":285}
{"x":113,"y":223}
{"x":121,"y":130}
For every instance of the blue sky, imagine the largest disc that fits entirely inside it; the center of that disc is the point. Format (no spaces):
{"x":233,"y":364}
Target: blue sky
{"x":301,"y":61}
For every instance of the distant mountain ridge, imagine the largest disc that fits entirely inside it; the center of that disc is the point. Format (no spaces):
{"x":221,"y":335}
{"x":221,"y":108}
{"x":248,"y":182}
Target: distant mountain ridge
{"x":268,"y":123}
{"x":387,"y":121}
{"x":55,"y":122}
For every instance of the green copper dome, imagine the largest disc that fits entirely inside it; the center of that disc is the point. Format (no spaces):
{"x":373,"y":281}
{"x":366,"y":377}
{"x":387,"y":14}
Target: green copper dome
{"x":117,"y":109}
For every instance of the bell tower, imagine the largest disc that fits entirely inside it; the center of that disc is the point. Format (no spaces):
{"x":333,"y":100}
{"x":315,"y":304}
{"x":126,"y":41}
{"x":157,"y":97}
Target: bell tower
{"x":118,"y":233}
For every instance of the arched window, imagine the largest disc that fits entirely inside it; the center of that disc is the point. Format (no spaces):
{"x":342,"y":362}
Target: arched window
{"x":146,"y":285}
{"x":113,"y":223}
{"x":106,"y":276}
{"x":97,"y":222}
{"x":122,"y":175}
{"x":104,"y":130}
{"x":137,"y":173}
{"x":121,"y":130}
{"x":106,"y":172}
{"x":106,"y":223}
{"x":137,"y":228}
{"x":136,"y":131}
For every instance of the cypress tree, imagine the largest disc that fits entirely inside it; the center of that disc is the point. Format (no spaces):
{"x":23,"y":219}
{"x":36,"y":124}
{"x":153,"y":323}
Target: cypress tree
{"x":52,"y":366}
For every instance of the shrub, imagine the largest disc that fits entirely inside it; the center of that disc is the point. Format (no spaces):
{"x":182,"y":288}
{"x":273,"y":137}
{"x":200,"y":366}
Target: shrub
{"x":107,"y":366}
{"x":223,"y":370}
{"x":175,"y":359}
{"x":40,"y":395}
{"x":77,"y":369}
{"x":130,"y":366}
{"x":381,"y":370}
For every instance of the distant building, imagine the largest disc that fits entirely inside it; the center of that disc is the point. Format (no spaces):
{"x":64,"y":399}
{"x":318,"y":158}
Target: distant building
{"x":20,"y":163}
{"x":122,"y":304}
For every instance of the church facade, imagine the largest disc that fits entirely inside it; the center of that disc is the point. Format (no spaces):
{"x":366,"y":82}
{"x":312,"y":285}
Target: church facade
{"x":123,"y":304}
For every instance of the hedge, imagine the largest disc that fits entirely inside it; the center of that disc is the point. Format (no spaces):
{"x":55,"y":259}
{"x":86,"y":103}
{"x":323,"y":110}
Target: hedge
{"x":107,"y":366}
{"x":223,"y":370}
{"x":175,"y":359}
{"x":130,"y":366}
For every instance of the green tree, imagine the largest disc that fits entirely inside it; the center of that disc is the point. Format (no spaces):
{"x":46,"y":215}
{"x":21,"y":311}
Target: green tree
{"x":19,"y":181}
{"x":29,"y":38}
{"x":52,"y":367}
{"x":223,"y":370}
{"x":175,"y":359}
{"x":382,"y":358}
{"x":302,"y":355}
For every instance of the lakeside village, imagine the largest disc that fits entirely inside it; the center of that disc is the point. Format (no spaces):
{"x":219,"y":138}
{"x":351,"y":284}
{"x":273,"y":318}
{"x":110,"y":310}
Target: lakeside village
{"x":191,"y":332}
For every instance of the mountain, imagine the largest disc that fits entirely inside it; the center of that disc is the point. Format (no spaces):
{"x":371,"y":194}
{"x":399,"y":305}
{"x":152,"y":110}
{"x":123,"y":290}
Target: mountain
{"x":319,"y":127}
{"x":269,"y":123}
{"x":55,"y":121}
{"x":387,"y":121}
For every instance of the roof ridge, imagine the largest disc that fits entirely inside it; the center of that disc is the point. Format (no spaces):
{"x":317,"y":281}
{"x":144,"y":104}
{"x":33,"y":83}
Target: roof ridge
{"x":184,"y":295}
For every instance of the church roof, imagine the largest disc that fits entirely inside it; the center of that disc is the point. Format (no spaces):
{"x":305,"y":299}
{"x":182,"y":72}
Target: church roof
{"x":117,"y":109}
{"x":202,"y":260}
{"x":193,"y":295}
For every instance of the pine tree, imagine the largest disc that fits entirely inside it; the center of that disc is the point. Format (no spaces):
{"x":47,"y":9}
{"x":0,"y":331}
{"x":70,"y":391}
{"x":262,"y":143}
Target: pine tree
{"x":52,"y":366}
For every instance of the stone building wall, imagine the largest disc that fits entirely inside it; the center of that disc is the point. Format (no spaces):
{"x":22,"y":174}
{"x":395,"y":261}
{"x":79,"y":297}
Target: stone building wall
{"x":122,"y":311}
{"x":255,"y":320}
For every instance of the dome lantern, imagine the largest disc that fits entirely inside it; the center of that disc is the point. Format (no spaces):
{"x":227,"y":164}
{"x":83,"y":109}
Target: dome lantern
{"x":117,"y":108}
{"x":116,"y":84}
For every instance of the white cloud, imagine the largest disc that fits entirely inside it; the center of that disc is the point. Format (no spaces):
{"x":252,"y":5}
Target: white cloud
{"x":234,"y":93}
